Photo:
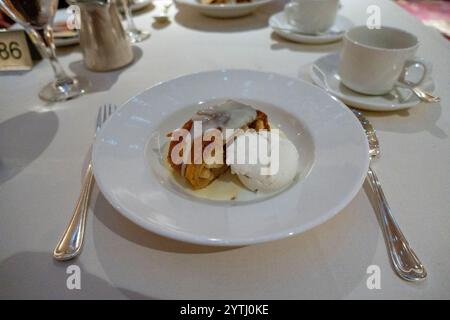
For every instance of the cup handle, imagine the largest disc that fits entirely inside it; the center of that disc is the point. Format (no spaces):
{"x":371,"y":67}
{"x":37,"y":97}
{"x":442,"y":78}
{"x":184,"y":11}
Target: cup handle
{"x":427,"y":67}
{"x":289,"y":10}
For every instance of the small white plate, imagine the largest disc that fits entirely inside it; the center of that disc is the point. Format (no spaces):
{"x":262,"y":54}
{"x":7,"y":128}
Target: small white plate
{"x":324,"y":73}
{"x":281,"y":27}
{"x":66,"y":41}
{"x":224,"y":10}
{"x":137,"y":5}
{"x":131,"y":172}
{"x":60,"y":38}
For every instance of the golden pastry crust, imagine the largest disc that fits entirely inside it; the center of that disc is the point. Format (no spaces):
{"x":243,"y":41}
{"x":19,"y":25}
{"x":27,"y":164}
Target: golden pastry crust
{"x":201,"y":175}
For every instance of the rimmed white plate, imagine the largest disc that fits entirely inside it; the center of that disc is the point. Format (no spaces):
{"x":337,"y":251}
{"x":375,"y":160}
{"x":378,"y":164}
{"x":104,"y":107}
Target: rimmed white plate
{"x":129,"y":171}
{"x":224,"y":10}
{"x":324,"y":73}
{"x":281,"y":27}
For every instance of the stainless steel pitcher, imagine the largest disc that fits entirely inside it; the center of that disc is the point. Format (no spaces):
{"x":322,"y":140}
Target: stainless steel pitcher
{"x":102,"y":38}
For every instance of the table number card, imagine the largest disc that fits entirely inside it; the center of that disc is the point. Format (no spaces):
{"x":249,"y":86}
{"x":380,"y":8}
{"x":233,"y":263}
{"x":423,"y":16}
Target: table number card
{"x":15,"y":53}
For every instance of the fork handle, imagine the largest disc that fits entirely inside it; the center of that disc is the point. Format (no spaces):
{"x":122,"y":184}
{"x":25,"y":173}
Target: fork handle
{"x":404,"y":261}
{"x":69,"y":246}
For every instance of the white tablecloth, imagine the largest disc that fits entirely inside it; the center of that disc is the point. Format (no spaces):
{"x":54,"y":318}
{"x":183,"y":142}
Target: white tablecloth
{"x":44,"y":148}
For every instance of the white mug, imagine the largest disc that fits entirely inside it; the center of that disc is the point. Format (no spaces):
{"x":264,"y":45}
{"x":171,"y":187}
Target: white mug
{"x":373,"y":60}
{"x":311,"y":16}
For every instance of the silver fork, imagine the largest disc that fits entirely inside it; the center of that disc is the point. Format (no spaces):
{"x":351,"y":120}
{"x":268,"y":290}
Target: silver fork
{"x":403,"y":258}
{"x":71,"y":242}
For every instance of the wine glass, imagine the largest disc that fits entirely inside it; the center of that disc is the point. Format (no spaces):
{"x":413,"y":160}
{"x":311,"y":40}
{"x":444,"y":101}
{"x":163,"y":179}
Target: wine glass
{"x":36,"y":16}
{"x":135,"y":34}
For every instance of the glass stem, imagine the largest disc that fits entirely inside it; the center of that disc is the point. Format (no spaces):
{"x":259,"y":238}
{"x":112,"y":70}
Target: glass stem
{"x":46,"y":47}
{"x":127,"y":10}
{"x":60,"y":74}
{"x":37,"y":40}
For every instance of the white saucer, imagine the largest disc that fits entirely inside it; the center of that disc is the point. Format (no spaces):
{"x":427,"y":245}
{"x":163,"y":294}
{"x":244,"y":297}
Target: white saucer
{"x":324,"y":73}
{"x":130,"y":168}
{"x":231,"y":10}
{"x":281,"y":27}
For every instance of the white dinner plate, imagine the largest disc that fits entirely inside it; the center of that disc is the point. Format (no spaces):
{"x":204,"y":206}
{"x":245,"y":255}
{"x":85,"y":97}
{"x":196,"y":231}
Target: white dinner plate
{"x":224,"y":10}
{"x":130,"y":171}
{"x":324,"y":73}
{"x":281,"y":27}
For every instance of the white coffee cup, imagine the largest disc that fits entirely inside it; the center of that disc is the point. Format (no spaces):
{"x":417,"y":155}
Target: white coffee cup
{"x":373,"y":60}
{"x":311,"y":16}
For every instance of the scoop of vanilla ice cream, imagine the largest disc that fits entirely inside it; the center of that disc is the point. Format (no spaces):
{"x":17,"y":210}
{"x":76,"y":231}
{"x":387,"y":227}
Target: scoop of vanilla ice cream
{"x":251,"y":174}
